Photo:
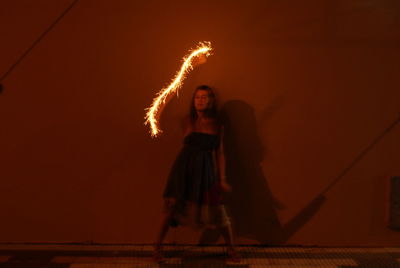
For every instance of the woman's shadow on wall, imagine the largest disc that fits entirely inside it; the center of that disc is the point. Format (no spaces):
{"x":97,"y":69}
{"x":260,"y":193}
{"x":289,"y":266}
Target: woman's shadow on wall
{"x":251,"y":205}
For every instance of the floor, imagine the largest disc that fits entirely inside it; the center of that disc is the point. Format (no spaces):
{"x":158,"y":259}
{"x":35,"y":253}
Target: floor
{"x":106,"y":256}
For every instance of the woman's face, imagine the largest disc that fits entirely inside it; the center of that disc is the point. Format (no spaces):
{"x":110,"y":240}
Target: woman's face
{"x":201,"y":100}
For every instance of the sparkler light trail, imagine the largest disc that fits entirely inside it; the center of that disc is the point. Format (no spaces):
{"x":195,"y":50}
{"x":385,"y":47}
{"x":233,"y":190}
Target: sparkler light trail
{"x":203,"y":48}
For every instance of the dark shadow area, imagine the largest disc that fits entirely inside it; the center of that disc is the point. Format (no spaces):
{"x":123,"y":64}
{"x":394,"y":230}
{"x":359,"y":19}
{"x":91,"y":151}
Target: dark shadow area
{"x":251,"y":205}
{"x":394,"y":204}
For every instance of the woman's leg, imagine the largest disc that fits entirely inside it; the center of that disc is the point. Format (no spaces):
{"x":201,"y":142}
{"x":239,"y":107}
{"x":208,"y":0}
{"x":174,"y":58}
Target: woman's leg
{"x":164,"y":226}
{"x":226,"y":231}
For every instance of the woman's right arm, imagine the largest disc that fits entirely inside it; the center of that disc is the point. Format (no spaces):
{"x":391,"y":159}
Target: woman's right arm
{"x":186,"y":126}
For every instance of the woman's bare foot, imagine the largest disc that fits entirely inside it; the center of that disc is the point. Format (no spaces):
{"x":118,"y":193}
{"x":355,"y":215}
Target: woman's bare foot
{"x":233,"y":255}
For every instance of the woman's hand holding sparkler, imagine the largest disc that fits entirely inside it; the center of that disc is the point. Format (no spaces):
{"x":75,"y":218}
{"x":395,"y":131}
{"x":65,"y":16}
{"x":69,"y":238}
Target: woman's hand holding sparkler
{"x":196,"y":57}
{"x":199,"y":59}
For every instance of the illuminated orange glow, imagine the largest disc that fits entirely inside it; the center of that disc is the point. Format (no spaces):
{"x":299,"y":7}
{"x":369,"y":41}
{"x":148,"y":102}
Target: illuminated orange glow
{"x":203,"y":48}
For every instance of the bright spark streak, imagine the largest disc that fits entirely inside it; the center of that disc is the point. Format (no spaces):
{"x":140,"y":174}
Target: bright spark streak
{"x":151,"y":114}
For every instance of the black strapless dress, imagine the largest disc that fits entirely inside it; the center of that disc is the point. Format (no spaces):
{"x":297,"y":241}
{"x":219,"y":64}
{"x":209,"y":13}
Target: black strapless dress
{"x":193,"y":184}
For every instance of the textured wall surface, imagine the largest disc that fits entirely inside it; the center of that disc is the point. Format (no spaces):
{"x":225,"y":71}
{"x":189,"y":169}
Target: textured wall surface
{"x":311,"y":90}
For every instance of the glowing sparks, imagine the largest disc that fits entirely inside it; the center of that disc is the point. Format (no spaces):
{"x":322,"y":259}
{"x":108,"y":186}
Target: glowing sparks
{"x":204,"y":48}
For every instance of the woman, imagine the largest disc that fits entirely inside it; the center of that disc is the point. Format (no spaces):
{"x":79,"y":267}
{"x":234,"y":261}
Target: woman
{"x":193,"y":193}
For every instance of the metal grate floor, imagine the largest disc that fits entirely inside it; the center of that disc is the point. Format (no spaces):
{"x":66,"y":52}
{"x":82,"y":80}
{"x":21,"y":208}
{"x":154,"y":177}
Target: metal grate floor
{"x":83,"y":256}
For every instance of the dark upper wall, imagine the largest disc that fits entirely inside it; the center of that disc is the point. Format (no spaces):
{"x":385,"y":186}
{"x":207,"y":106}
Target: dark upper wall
{"x":307,"y":88}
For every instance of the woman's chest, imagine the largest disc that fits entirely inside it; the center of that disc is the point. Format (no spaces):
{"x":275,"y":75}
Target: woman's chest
{"x":207,"y":126}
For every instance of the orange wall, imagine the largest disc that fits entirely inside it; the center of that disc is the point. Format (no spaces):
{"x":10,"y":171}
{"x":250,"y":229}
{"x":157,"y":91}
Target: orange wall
{"x":307,"y":86}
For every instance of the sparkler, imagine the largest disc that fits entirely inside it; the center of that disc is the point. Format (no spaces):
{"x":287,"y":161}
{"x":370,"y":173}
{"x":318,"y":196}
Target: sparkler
{"x":203,"y":48}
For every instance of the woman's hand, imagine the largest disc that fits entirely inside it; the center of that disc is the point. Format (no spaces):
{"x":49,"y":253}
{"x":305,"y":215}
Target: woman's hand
{"x":200,"y":59}
{"x":225,"y":186}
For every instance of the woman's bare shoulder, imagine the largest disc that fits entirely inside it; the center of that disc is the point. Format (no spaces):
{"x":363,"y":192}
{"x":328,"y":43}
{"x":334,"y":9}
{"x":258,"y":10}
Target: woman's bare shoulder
{"x":186,"y":125}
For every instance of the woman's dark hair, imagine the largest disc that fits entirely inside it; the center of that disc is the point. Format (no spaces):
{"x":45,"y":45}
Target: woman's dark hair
{"x":211,"y":111}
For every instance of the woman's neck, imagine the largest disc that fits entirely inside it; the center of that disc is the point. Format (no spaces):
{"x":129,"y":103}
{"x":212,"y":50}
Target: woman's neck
{"x":200,"y":114}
